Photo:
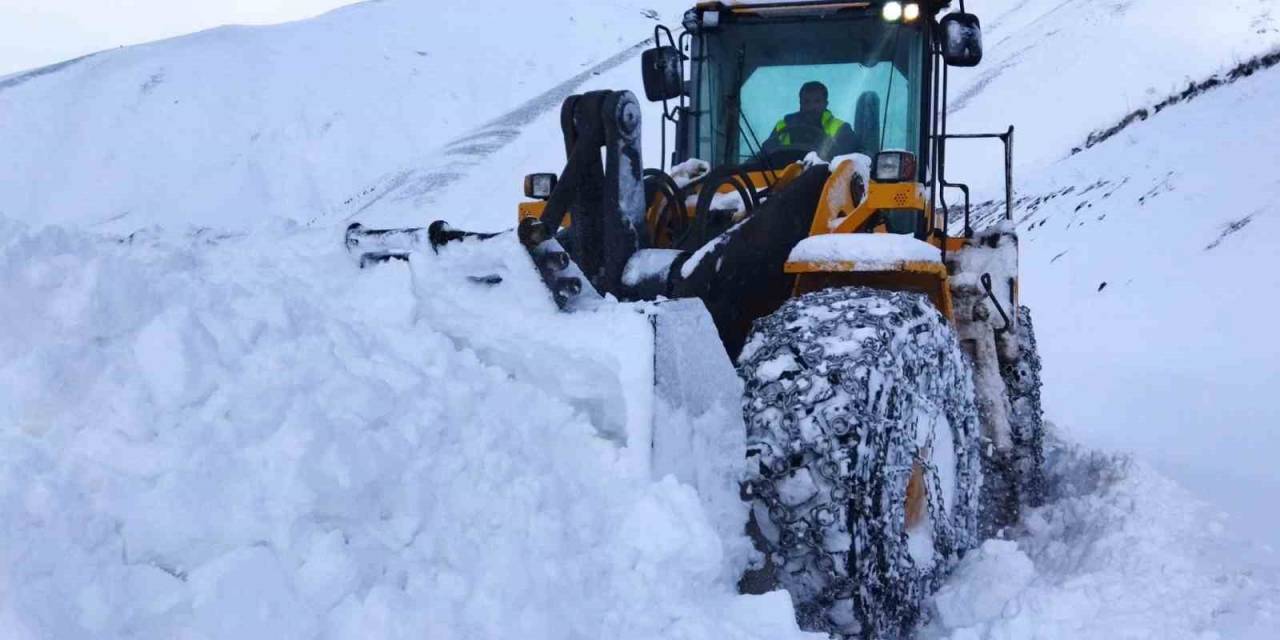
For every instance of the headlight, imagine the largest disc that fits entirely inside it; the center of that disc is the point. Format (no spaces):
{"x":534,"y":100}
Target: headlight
{"x":539,"y":185}
{"x":893,"y":11}
{"x":894,"y":166}
{"x":911,"y":12}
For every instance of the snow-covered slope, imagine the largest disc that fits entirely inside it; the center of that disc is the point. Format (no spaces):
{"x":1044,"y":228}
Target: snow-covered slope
{"x":1145,"y":252}
{"x":1145,"y":244}
{"x":1157,"y":301}
{"x":235,"y":125}
{"x":1060,"y":69}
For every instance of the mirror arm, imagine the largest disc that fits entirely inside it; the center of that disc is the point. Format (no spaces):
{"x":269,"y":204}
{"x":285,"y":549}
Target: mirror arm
{"x":683,"y":43}
{"x":658,"y":30}
{"x":668,"y":113}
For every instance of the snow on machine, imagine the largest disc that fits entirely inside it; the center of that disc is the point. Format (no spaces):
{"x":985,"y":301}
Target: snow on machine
{"x":887,"y":366}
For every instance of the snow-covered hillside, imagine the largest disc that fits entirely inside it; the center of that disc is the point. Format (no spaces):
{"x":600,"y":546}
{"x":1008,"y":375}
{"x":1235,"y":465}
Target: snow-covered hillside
{"x":1059,"y":70}
{"x":1144,"y":255}
{"x":235,"y":125}
{"x":212,"y":425}
{"x":1156,"y":278}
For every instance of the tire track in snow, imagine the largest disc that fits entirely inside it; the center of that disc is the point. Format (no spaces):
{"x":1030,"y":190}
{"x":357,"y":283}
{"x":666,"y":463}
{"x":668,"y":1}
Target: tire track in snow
{"x":1117,"y":551}
{"x":456,"y":158}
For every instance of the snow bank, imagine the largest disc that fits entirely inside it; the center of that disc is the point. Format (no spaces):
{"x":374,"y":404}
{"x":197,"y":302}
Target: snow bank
{"x":1119,"y":552}
{"x":247,"y":437}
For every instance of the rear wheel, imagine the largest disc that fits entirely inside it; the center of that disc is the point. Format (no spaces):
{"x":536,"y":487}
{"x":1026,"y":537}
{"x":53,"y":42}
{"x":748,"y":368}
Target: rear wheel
{"x":863,"y":438}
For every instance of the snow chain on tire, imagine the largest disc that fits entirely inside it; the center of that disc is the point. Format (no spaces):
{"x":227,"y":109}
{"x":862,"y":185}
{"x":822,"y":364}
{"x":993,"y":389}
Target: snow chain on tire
{"x":1022,"y":381}
{"x":847,"y":391}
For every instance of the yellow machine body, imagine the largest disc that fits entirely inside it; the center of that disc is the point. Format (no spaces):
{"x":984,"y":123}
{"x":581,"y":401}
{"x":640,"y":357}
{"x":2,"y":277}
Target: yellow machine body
{"x":837,"y":213}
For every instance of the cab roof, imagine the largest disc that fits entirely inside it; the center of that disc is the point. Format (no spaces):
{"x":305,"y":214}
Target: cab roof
{"x":803,"y":6}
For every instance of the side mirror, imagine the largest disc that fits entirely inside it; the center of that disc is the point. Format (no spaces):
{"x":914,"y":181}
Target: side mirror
{"x":662,"y":73}
{"x":961,"y":40}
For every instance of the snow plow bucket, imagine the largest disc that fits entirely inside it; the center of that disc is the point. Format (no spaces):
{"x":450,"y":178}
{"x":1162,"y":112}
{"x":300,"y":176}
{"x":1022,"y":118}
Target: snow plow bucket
{"x":652,"y":377}
{"x":698,"y":434}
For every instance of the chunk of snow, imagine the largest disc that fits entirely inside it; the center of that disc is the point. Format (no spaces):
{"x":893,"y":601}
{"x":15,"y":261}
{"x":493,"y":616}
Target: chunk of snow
{"x":727,"y":202}
{"x":920,"y":542}
{"x":773,"y":369}
{"x":686,"y":172}
{"x":648,"y":264}
{"x":705,"y":250}
{"x":812,"y":159}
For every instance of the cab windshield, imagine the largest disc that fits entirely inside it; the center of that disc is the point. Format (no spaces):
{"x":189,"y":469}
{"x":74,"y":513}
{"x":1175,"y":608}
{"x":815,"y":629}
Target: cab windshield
{"x":871,"y":71}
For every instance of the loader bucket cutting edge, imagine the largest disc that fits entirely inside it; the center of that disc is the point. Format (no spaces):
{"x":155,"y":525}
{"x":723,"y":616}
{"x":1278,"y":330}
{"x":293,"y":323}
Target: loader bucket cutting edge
{"x":698,"y":435}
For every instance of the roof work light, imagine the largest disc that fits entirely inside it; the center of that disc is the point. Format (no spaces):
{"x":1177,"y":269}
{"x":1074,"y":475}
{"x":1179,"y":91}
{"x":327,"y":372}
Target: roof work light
{"x":895,"y":11}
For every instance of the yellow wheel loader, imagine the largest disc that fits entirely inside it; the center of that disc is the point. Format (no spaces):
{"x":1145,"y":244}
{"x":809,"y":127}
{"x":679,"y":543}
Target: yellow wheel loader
{"x":886,"y":365}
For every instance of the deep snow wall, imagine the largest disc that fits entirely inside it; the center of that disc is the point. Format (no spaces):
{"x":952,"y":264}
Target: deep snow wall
{"x":247,"y":437}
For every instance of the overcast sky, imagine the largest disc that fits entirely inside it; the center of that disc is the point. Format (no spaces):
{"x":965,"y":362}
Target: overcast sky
{"x":34,"y":33}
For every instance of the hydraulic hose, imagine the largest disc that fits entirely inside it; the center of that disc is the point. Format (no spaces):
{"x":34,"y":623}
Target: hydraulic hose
{"x":699,"y":232}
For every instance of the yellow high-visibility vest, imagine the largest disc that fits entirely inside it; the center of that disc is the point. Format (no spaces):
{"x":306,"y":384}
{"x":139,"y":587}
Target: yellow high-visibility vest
{"x":830,"y":125}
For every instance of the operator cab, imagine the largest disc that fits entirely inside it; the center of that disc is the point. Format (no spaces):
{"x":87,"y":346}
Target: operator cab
{"x":738,"y":73}
{"x":750,"y":66}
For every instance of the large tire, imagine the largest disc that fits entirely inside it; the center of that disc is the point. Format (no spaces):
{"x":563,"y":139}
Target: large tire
{"x":849,"y":394}
{"x":1022,"y":383}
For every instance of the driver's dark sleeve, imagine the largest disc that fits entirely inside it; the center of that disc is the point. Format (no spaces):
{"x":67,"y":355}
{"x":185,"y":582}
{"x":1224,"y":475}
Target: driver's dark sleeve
{"x":845,"y":142}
